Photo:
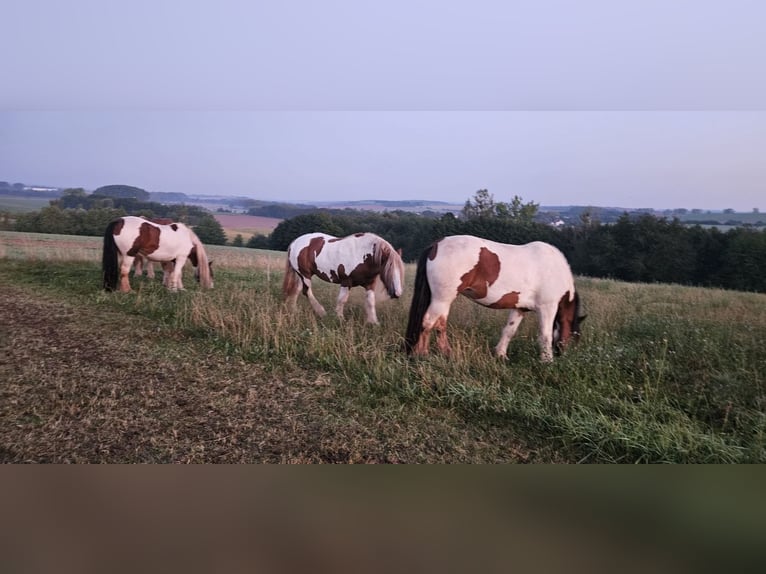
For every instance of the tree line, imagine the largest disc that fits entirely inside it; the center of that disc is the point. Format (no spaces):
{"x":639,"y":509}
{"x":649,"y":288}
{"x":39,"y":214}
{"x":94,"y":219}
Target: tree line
{"x":637,"y":247}
{"x":79,"y":213}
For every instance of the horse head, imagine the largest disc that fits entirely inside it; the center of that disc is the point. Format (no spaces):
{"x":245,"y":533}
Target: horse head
{"x":567,"y":324}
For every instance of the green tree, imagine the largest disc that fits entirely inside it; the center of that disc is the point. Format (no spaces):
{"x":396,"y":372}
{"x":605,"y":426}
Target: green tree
{"x":482,"y":205}
{"x":238,"y":240}
{"x":259,"y":242}
{"x":519,"y":211}
{"x":210,"y":231}
{"x":318,"y":221}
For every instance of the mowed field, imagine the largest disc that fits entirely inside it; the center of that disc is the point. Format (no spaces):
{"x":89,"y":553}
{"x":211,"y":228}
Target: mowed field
{"x":246,"y":225}
{"x":663,"y":373}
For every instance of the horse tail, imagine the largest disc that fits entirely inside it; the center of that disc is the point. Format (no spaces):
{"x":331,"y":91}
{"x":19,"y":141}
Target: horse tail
{"x":109,"y":261}
{"x":203,"y":263}
{"x":421,"y":299}
{"x":292,"y":281}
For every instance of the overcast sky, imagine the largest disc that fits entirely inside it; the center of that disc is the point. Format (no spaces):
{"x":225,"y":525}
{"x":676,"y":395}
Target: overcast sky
{"x":633,"y":104}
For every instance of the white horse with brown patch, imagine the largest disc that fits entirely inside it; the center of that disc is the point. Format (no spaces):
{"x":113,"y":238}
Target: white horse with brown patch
{"x":532,"y":277}
{"x":127,"y":238}
{"x":363,"y":259}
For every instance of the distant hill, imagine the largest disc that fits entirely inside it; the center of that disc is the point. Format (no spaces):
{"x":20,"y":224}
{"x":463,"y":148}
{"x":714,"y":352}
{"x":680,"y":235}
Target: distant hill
{"x":123,"y":192}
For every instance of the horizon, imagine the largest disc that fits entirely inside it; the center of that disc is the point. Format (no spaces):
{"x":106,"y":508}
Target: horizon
{"x":319,"y":202}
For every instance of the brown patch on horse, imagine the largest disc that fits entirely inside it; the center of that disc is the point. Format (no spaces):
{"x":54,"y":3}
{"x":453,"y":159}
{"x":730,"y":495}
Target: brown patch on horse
{"x":507,"y":301}
{"x":307,"y":257}
{"x":475,"y":283}
{"x":363,"y":274}
{"x":147,"y":242}
{"x":118,"y":226}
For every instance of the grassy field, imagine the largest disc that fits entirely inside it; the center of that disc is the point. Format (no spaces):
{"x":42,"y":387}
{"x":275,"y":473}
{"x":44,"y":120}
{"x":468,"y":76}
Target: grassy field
{"x":663,"y":373}
{"x":246,"y":225}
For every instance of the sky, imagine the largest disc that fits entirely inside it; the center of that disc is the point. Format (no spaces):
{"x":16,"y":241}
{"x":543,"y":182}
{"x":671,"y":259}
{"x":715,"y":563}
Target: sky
{"x":631,"y":104}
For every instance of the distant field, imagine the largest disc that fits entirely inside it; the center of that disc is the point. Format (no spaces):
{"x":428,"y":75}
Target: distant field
{"x":744,"y":217}
{"x":246,"y":225}
{"x":23,"y":204}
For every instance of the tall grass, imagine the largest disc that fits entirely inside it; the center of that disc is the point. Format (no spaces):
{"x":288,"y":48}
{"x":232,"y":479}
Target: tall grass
{"x":662,"y":374}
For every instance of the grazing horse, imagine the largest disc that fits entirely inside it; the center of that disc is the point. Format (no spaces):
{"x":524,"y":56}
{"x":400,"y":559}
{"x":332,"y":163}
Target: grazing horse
{"x":532,"y":277}
{"x":129,"y":237}
{"x":362,"y":259}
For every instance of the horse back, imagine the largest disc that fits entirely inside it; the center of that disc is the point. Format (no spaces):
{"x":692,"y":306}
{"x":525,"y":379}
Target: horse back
{"x":348,"y":261}
{"x":499,"y":275}
{"x":157,"y":242}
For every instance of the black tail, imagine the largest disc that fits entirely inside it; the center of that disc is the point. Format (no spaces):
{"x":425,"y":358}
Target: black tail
{"x":421,"y":299}
{"x":109,"y":263}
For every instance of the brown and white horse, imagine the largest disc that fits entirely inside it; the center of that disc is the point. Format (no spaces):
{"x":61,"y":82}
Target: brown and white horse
{"x":532,"y":277}
{"x":362,"y":259}
{"x":128,"y":237}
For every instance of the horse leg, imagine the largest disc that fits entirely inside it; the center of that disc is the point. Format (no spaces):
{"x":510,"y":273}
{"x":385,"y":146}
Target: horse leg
{"x":441,"y":335}
{"x":149,"y":269}
{"x":341,"y":302}
{"x":176,"y":282}
{"x":435,"y":318}
{"x":514,"y":320}
{"x":545,"y":315}
{"x":167,"y":271}
{"x":316,"y":305}
{"x":125,"y":265}
{"x":369,"y":305}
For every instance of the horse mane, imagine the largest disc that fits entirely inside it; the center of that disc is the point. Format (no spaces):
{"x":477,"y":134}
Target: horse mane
{"x":203,"y":263}
{"x":387,"y":259}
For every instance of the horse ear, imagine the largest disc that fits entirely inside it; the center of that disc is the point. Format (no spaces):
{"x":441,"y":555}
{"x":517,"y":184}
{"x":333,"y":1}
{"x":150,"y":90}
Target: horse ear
{"x":400,"y":252}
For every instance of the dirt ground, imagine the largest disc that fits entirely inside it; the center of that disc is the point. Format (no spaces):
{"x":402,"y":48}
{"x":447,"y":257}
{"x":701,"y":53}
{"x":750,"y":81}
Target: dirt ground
{"x":91,"y":385}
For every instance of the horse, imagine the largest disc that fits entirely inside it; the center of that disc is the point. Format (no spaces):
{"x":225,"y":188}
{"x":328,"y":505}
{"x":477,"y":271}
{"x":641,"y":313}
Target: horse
{"x":129,"y":237}
{"x":531,"y":277}
{"x":362,"y":259}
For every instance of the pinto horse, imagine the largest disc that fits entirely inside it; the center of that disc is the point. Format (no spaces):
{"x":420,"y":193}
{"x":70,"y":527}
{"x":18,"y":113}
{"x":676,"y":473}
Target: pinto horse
{"x":127,"y":238}
{"x":532,"y":277}
{"x":362,"y":259}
